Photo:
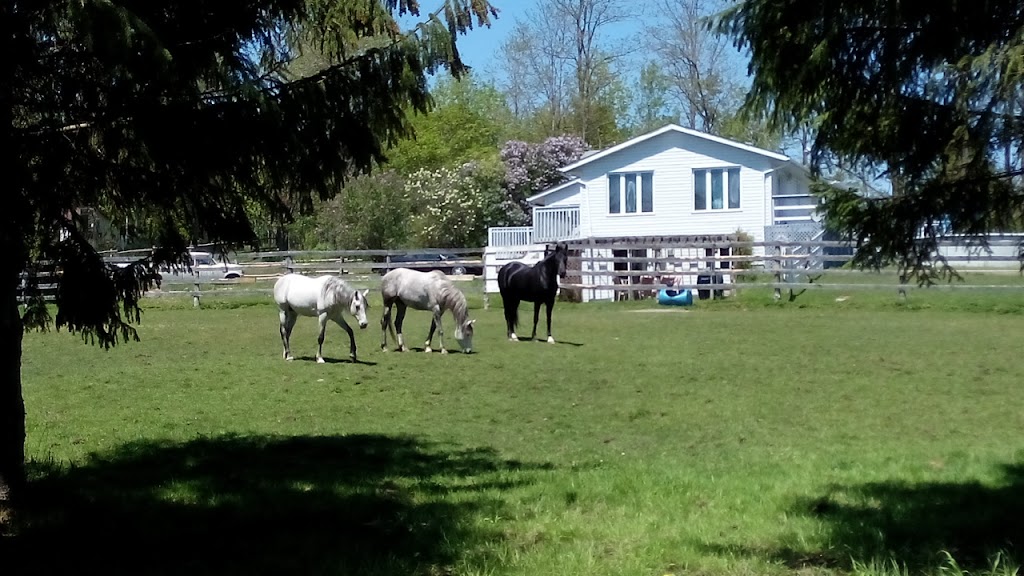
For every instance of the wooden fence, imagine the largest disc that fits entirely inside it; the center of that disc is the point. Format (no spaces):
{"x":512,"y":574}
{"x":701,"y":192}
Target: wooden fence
{"x":711,"y":269}
{"x":362,"y":268}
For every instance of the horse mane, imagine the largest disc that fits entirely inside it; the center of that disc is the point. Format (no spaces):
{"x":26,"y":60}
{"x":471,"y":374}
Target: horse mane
{"x":336,"y":291}
{"x":451,"y":298}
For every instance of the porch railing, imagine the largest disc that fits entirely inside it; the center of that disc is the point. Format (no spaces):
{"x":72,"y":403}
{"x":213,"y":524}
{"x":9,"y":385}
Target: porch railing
{"x":510,"y":236}
{"x":556,"y":223}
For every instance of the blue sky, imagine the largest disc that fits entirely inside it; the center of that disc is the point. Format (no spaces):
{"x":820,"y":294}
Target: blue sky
{"x":479,"y":47}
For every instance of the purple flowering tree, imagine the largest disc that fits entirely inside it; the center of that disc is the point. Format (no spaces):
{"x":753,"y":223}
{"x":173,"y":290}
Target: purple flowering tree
{"x":530,"y":168}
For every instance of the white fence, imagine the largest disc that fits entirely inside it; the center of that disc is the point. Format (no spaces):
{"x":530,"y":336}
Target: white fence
{"x":628,"y":269}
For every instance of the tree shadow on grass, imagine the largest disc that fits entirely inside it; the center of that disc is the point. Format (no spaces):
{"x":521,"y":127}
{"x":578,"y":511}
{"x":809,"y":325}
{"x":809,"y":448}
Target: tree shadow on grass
{"x":544,"y":340}
{"x":264,"y":505}
{"x":913,"y":524}
{"x":335,"y":360}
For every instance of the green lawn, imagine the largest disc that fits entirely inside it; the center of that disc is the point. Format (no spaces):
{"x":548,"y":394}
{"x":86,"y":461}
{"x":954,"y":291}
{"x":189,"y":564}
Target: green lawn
{"x":735,"y":437}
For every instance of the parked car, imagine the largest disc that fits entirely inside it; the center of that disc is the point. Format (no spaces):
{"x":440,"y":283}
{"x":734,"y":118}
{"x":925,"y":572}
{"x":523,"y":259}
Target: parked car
{"x":444,"y":261}
{"x":206,"y":266}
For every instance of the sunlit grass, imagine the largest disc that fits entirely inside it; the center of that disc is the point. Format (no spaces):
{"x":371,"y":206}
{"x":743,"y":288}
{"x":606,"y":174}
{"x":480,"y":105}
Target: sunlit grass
{"x":744,"y":436}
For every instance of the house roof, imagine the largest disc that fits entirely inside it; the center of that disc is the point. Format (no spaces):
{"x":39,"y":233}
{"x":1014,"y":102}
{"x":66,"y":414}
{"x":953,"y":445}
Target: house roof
{"x":552,"y":190}
{"x":678,"y":129}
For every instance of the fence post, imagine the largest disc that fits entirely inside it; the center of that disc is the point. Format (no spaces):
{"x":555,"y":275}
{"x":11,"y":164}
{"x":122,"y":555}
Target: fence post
{"x":777,"y":294}
{"x":487,"y":298}
{"x":901,"y":293}
{"x":288,"y":264}
{"x":195,"y":288}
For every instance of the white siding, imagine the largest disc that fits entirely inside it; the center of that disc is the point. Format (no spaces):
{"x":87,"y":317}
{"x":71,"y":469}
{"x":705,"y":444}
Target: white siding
{"x":672,"y":157}
{"x":569,"y":196}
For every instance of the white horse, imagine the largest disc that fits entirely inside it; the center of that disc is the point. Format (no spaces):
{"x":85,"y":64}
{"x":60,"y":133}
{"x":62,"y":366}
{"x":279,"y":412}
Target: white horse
{"x":431,"y":291}
{"x":325,"y":297}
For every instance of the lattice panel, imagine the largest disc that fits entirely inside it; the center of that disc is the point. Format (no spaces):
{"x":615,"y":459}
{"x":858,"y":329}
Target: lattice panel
{"x":795,"y":232}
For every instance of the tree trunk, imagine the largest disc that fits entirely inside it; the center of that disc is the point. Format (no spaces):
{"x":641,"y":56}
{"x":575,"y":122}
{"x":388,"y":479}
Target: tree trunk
{"x":281,"y":238}
{"x":12,"y":405}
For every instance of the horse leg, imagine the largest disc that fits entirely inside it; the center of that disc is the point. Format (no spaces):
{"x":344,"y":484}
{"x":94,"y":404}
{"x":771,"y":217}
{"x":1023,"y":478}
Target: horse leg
{"x":430,"y":335}
{"x":385,"y":321}
{"x":550,"y":303}
{"x":436,"y":321}
{"x":511,"y":311}
{"x":322,"y":318}
{"x":399,"y":320}
{"x":287,"y":323}
{"x":536,"y":317}
{"x":340,"y":321}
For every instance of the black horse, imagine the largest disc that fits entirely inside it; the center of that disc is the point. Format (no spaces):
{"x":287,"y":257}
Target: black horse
{"x":518,"y":282}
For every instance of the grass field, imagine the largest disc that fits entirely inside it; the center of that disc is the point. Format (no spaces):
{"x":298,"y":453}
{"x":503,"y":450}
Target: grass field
{"x":738,"y":437}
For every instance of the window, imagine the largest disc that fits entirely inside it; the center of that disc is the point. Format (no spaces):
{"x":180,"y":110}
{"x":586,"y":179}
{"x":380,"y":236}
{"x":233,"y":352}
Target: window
{"x":724,"y":187}
{"x":623,"y":193}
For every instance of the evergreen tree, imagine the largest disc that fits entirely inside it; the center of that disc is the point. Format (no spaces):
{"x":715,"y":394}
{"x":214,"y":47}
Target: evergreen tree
{"x":931,"y":93}
{"x":186,"y":116}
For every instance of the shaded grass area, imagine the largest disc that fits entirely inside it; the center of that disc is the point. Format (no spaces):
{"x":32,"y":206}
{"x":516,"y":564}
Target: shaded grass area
{"x":359,"y":504}
{"x":742,"y":436}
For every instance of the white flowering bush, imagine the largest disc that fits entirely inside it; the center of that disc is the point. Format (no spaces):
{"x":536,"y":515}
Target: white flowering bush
{"x":452,"y":207}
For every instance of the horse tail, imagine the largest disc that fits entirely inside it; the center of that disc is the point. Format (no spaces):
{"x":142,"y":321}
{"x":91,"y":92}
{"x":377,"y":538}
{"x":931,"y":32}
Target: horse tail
{"x":511,"y":312}
{"x":503,"y":277}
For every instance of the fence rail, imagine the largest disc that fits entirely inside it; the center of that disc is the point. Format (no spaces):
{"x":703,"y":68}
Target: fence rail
{"x":630,"y":268}
{"x":633,"y":268}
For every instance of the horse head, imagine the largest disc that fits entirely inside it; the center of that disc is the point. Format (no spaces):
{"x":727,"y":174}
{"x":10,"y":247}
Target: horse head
{"x":561,"y":256}
{"x":464,"y":335}
{"x":359,"y":305}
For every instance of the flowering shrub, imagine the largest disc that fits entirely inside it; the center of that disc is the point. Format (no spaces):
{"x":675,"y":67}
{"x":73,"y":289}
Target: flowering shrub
{"x":530,"y":168}
{"x":452,"y":207}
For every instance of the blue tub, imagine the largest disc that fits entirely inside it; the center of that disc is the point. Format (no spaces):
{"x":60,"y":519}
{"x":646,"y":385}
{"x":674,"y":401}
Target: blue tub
{"x":675,"y":297}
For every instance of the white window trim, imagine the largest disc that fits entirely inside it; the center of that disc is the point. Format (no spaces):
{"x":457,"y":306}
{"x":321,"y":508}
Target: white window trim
{"x":622,"y":194}
{"x":707,"y":189}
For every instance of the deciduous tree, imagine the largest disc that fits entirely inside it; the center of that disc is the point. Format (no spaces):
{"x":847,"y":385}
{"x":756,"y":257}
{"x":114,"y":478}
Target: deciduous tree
{"x":560,"y":66}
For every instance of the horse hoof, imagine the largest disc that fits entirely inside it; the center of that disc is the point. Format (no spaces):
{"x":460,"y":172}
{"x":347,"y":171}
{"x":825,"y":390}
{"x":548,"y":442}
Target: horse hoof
{"x":428,"y":350}
{"x":321,"y":361}
{"x":551,"y":340}
{"x":289,"y":358}
{"x":443,"y":351}
{"x":513,"y":337}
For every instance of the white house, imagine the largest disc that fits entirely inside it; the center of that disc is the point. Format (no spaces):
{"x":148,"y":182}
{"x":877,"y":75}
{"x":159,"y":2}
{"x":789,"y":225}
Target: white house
{"x":672,"y":181}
